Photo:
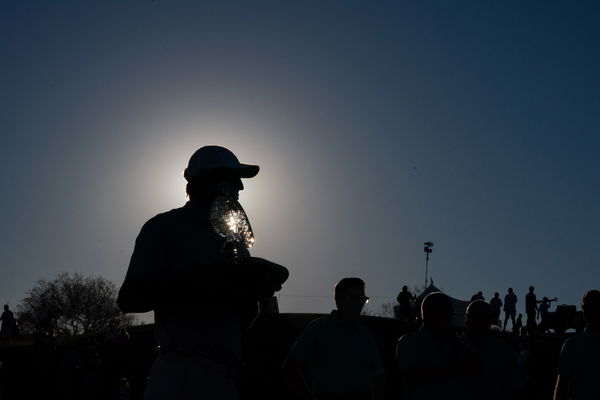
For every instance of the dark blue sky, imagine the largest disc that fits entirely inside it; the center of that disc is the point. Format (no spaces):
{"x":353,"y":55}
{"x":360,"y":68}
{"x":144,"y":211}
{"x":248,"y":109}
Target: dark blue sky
{"x":377,"y":125}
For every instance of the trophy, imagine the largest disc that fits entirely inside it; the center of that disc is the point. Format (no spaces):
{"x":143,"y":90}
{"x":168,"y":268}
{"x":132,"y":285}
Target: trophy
{"x":229,"y":220}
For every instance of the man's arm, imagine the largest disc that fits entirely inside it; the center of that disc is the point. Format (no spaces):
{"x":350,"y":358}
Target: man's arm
{"x":565,"y":371}
{"x":200,"y":286}
{"x":135,"y":295}
{"x":561,"y":390}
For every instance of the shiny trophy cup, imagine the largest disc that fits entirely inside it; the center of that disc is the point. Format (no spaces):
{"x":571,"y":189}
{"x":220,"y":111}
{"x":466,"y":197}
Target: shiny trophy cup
{"x":229,"y":220}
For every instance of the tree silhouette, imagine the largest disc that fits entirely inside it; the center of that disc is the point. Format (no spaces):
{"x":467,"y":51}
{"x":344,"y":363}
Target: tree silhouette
{"x":71,"y":304}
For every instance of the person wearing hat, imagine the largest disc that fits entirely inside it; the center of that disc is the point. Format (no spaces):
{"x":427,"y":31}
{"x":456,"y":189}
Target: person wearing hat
{"x":201,"y":300}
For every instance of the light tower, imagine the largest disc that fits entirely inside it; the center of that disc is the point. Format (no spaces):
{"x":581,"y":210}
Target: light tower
{"x":428,"y":250}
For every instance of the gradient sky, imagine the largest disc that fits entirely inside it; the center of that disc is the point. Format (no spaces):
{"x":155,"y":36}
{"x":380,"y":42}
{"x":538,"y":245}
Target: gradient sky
{"x":377,"y":125}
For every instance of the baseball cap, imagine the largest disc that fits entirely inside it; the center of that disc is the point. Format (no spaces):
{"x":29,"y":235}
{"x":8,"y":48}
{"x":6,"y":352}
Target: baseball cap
{"x":213,"y":157}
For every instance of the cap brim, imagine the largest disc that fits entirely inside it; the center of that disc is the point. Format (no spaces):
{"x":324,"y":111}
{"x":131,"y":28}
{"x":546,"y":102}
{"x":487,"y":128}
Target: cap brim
{"x":246,"y":171}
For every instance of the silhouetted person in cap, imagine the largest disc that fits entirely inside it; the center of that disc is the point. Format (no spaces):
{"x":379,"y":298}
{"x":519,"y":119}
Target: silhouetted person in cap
{"x":341,"y":353}
{"x":404,"y":299}
{"x":497,"y":375}
{"x":579,"y":365}
{"x":201,"y":298}
{"x":432,"y":362}
{"x":510,"y":307}
{"x":531,"y":308}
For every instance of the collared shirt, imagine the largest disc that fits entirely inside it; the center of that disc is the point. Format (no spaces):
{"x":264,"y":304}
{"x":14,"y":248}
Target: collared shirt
{"x":167,"y":244}
{"x":579,"y":364}
{"x":343,"y":356}
{"x":422,"y":348}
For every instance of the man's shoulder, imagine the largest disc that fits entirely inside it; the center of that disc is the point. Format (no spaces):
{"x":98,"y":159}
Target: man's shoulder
{"x":323,"y":322}
{"x":166,"y":218}
{"x":168,"y":215}
{"x":413,"y":337}
{"x":577,"y":341}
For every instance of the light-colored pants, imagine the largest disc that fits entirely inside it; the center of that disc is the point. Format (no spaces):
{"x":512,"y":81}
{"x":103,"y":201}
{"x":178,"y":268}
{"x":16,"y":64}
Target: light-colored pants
{"x":182,"y":377}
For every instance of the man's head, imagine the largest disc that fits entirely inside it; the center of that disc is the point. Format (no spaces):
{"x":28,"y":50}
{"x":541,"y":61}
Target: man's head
{"x":591,"y":308}
{"x":213,"y":170}
{"x":510,"y":290}
{"x":350,"y":297}
{"x":405,"y":288}
{"x":436,"y":311}
{"x":531,"y":289}
{"x":478,"y":318}
{"x":6,"y":307}
{"x":496,"y":294}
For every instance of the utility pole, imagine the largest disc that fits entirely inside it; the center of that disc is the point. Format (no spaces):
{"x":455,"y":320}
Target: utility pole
{"x":428,"y":250}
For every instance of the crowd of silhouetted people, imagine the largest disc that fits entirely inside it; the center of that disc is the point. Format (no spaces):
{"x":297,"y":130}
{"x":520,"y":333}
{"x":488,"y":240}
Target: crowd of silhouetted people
{"x":537,"y":311}
{"x":342,"y":356}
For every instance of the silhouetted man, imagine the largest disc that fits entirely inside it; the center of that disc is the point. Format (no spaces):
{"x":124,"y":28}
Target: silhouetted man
{"x":510,"y":307}
{"x":432,"y":362}
{"x":201,"y":299}
{"x":578,"y":368}
{"x":497,"y":374}
{"x":8,"y":323}
{"x":495,"y":306}
{"x":404,"y":299}
{"x":531,"y":308}
{"x":340,"y":352}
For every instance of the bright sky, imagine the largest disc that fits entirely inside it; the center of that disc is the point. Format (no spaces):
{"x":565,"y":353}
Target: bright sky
{"x":377,"y":125}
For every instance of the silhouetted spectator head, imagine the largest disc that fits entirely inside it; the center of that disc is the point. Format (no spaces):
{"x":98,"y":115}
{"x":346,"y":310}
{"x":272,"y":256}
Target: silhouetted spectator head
{"x":510,"y":290}
{"x":214,"y":169}
{"x":478,"y":318}
{"x":404,"y":288}
{"x":591,"y":308}
{"x":6,"y":307}
{"x":436,"y":311}
{"x":496,"y":294}
{"x":350,"y":298}
{"x":531,"y":289}
{"x":545,"y":299}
